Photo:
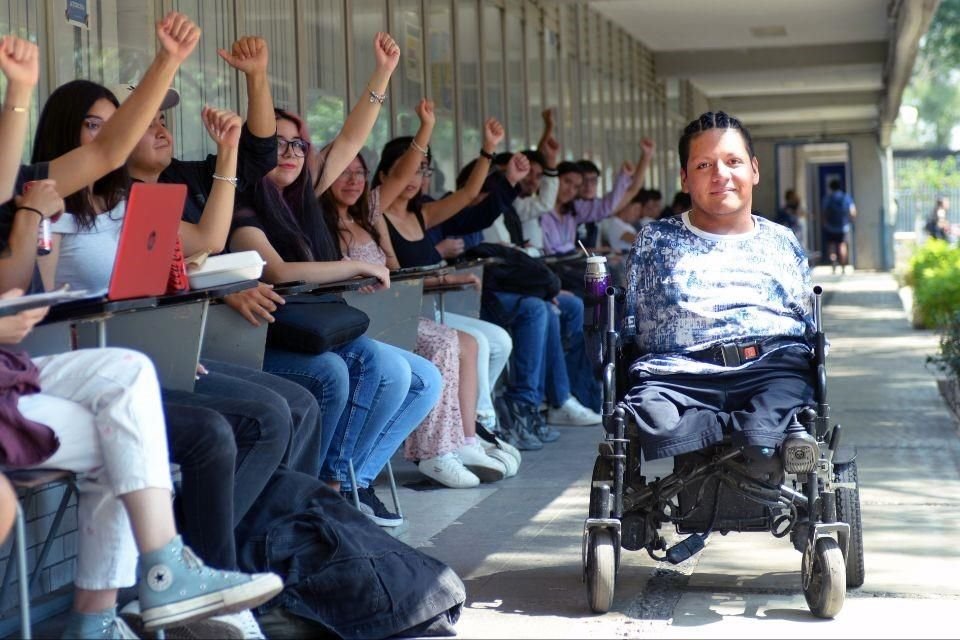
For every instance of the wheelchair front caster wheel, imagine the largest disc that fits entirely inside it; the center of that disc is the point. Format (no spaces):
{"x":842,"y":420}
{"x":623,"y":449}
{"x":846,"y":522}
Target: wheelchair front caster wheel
{"x":824,"y":578}
{"x":601,"y":570}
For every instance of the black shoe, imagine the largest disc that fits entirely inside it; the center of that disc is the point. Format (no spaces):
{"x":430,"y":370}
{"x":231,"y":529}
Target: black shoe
{"x":542,"y":430}
{"x":373,"y":508}
{"x":516,"y":424}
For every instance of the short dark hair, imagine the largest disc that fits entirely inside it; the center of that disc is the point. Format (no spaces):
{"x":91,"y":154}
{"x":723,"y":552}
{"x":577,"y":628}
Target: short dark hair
{"x":502,"y":158}
{"x":570,"y":167}
{"x":707,"y":121}
{"x":587,"y":166}
{"x":646,"y":195}
{"x":835,"y":185}
{"x":535,"y":156}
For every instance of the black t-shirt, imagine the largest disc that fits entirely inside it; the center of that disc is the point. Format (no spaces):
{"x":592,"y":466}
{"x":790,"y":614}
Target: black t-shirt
{"x":256,"y":158}
{"x":28,"y":173}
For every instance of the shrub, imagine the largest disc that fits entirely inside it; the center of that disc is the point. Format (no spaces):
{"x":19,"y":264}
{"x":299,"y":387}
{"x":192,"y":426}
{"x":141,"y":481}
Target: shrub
{"x":934,"y":274}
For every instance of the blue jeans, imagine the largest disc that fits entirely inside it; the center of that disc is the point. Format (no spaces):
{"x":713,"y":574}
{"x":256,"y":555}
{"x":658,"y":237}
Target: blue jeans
{"x":527,"y":319}
{"x":555,"y":385}
{"x":416,"y":383}
{"x":583,"y":383}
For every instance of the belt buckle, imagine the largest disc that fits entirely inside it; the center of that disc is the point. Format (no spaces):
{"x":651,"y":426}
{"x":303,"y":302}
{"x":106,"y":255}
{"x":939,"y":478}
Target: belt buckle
{"x":750,"y":351}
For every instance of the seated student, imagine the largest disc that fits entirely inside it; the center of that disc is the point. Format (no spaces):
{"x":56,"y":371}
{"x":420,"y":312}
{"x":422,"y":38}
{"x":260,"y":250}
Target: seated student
{"x":107,"y":426}
{"x":493,"y":343}
{"x":680,"y":203}
{"x":445,"y":446}
{"x":718,"y":275}
{"x":389,"y":390}
{"x":577,"y":202}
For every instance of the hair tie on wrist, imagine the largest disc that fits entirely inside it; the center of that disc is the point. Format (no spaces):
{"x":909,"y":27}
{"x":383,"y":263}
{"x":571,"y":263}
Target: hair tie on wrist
{"x":36,"y":211}
{"x":486,"y":154}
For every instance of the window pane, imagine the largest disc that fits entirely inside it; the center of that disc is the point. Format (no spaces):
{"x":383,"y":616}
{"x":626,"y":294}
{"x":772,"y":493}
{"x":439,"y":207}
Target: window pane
{"x":407,"y":82}
{"x":369,"y":17}
{"x":468,"y":51}
{"x":324,"y":70}
{"x":516,"y":95}
{"x":493,"y":62}
{"x":551,"y":71}
{"x":26,"y":18}
{"x":534,"y":74}
{"x":440,"y":60}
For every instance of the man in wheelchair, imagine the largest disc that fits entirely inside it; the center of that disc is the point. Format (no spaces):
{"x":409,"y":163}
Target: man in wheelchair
{"x":724,"y":373}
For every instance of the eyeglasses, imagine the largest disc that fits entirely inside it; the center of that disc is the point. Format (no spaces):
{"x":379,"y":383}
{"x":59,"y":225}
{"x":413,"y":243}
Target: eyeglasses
{"x":296,"y":146}
{"x":426,"y":172}
{"x":350,"y":176}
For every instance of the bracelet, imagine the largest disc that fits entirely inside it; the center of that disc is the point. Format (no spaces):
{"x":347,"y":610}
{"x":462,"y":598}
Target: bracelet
{"x":550,"y":173}
{"x":376,"y":97}
{"x":36,"y":211}
{"x":15,"y":109}
{"x":486,"y":154}
{"x":426,"y":152}
{"x":232,"y":181}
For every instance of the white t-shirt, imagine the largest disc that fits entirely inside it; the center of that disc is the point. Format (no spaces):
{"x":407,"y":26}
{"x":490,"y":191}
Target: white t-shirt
{"x":613,"y":229}
{"x":87,"y":255}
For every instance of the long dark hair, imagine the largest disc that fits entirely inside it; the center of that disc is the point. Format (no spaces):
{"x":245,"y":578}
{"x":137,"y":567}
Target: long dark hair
{"x":392,"y":152}
{"x":359,"y":211}
{"x":292,"y":218}
{"x":58,"y":133}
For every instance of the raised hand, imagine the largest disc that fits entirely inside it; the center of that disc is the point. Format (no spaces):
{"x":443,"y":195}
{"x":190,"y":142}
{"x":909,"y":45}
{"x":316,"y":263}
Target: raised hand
{"x":648,"y":146}
{"x":517,"y":168}
{"x":223,"y":125}
{"x":627,"y":168}
{"x":386,"y":51}
{"x":178,"y":35}
{"x":550,"y":149}
{"x":425,"y":112}
{"x":19,"y":60}
{"x":548,"y":117}
{"x":249,"y":54}
{"x":492,"y":134}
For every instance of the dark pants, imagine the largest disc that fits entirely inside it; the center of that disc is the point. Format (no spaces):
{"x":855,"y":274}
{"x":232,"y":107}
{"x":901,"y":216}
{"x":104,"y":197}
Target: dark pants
{"x":201,"y":441}
{"x":682,"y":413}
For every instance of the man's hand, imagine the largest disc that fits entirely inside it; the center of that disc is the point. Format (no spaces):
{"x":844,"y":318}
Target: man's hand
{"x":517,"y":168}
{"x":386,"y":52}
{"x":551,"y":152}
{"x":178,"y":35}
{"x":450,"y":247}
{"x":648,"y":146}
{"x":255,"y":304}
{"x":627,"y":168}
{"x":15,"y":328}
{"x":19,"y":61}
{"x":548,"y":117}
{"x":42,"y":195}
{"x":425,"y":112}
{"x":493,"y":133}
{"x":223,"y":126}
{"x":249,"y":55}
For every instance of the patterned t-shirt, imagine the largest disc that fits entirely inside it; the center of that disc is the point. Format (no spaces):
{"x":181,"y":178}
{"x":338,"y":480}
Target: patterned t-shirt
{"x":689,"y":290}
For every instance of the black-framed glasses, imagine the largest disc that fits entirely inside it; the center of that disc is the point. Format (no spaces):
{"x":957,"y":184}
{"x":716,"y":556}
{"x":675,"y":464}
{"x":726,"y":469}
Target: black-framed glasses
{"x":296,"y":146}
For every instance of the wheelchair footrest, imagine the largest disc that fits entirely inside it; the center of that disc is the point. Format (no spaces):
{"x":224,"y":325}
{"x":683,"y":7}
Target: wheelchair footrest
{"x":685,"y":549}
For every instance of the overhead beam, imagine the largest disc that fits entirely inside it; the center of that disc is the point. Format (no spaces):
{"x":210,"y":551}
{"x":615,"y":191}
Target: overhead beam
{"x":685,"y":64}
{"x":781,"y":102}
{"x":815,"y":130}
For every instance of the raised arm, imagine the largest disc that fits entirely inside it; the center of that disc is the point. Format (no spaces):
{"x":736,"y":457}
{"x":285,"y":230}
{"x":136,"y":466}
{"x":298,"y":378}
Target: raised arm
{"x":647,"y":147}
{"x":250,"y":56}
{"x":438,"y":211}
{"x":548,"y":125}
{"x":278,"y":270}
{"x":409,"y":163}
{"x":210,"y":234}
{"x":109,"y":150}
{"x":356,"y":129}
{"x":20,"y":64}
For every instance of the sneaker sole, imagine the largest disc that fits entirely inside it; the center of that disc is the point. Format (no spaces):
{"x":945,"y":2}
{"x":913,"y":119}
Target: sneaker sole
{"x":486,"y":474}
{"x":233,"y":600}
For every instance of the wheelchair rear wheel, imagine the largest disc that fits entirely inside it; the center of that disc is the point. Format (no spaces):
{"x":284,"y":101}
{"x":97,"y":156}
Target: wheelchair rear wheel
{"x":824,"y":578}
{"x":848,"y":510}
{"x":601,"y":570}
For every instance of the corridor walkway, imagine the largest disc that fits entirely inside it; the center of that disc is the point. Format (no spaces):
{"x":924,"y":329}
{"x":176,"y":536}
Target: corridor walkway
{"x":517,"y":543}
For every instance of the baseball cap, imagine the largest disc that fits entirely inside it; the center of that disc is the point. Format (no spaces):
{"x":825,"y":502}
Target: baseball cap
{"x":123,"y":91}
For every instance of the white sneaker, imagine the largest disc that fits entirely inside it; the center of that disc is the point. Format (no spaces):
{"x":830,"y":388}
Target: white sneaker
{"x":572,"y":413}
{"x":448,"y":470}
{"x":475,"y":458}
{"x":244,"y":622}
{"x":509,"y":462}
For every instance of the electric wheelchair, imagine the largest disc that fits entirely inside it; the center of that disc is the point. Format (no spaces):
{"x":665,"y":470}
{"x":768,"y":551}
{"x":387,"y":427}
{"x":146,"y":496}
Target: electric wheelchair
{"x":807,"y":491}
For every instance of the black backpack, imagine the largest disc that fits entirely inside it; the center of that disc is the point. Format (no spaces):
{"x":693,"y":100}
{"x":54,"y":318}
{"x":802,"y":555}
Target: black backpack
{"x":516,"y":272}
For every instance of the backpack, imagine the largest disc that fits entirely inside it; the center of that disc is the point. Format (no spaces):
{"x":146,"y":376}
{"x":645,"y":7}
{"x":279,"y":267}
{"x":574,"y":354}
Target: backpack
{"x":516,"y":272}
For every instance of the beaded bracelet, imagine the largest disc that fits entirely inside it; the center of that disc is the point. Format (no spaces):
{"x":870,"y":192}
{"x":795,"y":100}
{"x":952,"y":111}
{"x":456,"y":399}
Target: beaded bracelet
{"x":426,"y":152}
{"x":376,"y":97}
{"x":232,"y":181}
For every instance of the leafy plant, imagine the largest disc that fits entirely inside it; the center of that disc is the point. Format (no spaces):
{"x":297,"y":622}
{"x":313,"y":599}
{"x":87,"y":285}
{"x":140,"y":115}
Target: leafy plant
{"x":948,"y":360}
{"x":934,"y":274}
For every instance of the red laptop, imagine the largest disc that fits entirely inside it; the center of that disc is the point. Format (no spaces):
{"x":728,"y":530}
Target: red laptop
{"x":147,"y":241}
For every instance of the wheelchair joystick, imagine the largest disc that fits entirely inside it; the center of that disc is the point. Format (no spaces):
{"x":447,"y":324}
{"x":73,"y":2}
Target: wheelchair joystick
{"x":800,"y":449}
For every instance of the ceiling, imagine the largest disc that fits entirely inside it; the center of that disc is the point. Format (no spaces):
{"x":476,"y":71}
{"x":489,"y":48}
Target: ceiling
{"x":785,"y":67}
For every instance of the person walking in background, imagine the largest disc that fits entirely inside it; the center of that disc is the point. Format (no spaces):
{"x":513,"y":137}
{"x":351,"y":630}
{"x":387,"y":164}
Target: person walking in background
{"x":938,"y":224}
{"x":839,"y":212}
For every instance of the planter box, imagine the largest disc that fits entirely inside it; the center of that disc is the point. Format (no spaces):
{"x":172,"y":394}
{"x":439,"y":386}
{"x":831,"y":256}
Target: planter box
{"x":950,"y":390}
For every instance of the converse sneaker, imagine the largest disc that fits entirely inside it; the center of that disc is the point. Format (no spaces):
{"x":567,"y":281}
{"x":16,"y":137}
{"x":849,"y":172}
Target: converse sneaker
{"x":219,"y":627}
{"x":572,"y":413}
{"x":102,"y":624}
{"x":475,"y":458}
{"x":373,"y":508}
{"x":448,"y":470}
{"x":176,"y":587}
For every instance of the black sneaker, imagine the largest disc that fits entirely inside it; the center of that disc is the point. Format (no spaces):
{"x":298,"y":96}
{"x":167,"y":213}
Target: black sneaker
{"x":543,"y":431}
{"x":373,"y":508}
{"x":517,"y":422}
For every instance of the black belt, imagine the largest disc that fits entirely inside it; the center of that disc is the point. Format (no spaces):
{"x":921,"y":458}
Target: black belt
{"x":733,"y":354}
